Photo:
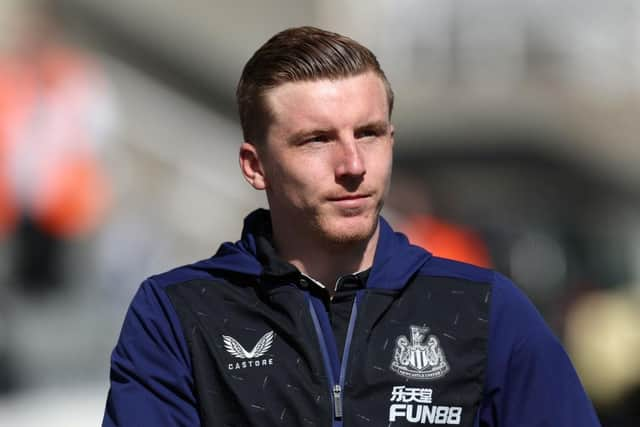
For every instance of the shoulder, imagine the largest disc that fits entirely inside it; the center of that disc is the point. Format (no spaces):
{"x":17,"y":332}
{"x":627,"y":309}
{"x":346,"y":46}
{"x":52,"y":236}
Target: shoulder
{"x":514,"y":322}
{"x":512,"y":317}
{"x":177,"y":275}
{"x":152,"y":304}
{"x":152,"y":319}
{"x":443,"y":267}
{"x":505,"y":295}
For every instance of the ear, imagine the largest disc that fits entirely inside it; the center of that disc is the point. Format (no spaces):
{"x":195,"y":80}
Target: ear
{"x":251,"y":166}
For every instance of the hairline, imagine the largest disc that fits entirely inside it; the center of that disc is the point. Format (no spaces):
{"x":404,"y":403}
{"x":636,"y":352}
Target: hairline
{"x":266,"y":111}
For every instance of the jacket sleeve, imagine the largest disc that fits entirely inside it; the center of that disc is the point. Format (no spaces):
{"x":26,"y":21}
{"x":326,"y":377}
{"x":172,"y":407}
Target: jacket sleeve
{"x":151,"y":380}
{"x":530,"y":379}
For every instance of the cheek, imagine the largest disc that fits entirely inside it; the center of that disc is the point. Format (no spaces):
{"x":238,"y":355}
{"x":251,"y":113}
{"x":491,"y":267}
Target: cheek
{"x":307,"y":171}
{"x":294,"y":183}
{"x":380,"y":164}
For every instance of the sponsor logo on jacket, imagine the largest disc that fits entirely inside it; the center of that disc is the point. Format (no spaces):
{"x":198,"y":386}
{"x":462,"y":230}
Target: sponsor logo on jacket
{"x":414,"y":405}
{"x":250,"y":358}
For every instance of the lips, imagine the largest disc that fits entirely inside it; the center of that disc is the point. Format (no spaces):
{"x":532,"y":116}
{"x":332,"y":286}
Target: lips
{"x":351,"y":203}
{"x":349,"y":197}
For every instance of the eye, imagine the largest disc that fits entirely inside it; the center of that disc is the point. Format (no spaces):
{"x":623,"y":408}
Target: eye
{"x":321,"y":138}
{"x":368,"y":133}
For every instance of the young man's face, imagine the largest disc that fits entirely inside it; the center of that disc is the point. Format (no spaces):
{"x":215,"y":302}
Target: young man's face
{"x":326,"y":161}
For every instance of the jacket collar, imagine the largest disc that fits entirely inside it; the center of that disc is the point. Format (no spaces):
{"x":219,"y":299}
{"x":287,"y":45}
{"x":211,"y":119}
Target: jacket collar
{"x":395,"y":260}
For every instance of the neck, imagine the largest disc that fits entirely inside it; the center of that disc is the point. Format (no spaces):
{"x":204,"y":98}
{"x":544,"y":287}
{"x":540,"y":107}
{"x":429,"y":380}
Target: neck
{"x":323,"y":260}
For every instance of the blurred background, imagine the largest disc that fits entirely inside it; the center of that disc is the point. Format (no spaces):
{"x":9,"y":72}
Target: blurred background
{"x":516,"y":149}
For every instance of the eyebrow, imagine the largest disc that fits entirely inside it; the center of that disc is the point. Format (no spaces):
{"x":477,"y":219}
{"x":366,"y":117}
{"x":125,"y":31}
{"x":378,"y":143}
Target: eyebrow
{"x":379,"y":126}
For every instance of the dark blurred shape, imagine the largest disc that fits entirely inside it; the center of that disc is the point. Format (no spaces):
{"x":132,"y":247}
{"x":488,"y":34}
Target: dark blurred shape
{"x":38,"y":263}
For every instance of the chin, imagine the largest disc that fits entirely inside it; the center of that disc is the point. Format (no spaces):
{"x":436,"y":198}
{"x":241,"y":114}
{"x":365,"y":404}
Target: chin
{"x":350,"y":230}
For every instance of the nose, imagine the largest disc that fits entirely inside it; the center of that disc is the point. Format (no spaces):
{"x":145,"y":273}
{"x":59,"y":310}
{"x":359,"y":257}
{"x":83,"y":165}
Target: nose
{"x":350,"y":161}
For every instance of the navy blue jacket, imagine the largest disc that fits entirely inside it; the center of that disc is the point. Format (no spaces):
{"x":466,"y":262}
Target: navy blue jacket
{"x":242,"y":339}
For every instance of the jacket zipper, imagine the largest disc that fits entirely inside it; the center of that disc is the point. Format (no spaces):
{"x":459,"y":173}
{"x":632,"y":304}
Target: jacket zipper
{"x":337,"y":401}
{"x":336,"y":388}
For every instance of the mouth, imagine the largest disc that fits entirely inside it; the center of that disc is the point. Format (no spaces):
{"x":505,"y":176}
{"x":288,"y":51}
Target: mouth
{"x":349,"y":197}
{"x":351,"y":202}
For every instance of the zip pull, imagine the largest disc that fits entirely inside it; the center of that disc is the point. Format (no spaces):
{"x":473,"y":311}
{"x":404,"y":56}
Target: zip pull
{"x":337,"y":401}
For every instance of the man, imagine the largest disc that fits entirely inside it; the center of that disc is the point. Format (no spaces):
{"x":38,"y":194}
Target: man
{"x":321,"y":314}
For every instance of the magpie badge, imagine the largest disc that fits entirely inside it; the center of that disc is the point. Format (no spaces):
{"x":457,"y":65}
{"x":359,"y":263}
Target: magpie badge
{"x":419,"y":360}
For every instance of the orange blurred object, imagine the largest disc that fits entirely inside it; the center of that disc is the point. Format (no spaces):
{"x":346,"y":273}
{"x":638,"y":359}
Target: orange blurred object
{"x":73,"y":199}
{"x":446,"y":240}
{"x":49,"y":170}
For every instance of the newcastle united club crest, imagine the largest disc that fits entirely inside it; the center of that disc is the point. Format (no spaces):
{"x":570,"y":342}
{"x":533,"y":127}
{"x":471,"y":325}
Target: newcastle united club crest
{"x":420,"y":359}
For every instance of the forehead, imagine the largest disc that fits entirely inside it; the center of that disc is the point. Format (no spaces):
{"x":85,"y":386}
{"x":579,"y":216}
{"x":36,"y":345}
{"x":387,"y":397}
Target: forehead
{"x":328,"y":102}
